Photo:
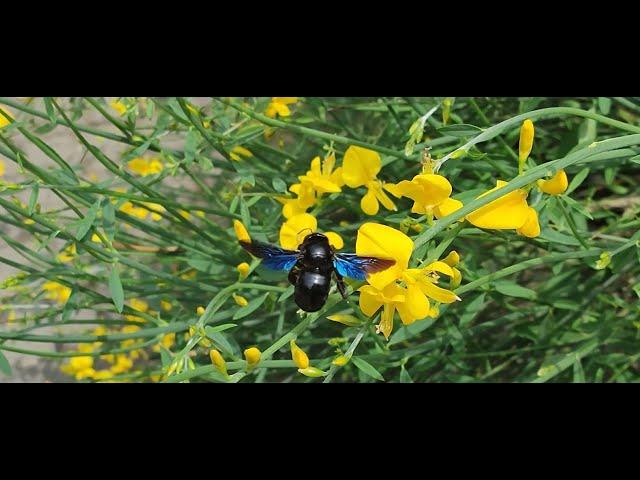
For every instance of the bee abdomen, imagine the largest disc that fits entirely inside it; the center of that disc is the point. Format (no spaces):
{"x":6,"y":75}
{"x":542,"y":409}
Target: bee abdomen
{"x":312,"y":289}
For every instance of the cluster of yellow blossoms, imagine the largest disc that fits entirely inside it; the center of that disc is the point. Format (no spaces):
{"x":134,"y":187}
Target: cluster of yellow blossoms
{"x":87,"y":366}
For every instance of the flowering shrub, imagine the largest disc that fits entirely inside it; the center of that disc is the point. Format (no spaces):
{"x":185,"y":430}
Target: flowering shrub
{"x":512,"y":225}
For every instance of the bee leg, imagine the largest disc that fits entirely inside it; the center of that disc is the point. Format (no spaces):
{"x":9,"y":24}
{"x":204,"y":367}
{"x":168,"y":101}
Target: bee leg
{"x":342,"y":288}
{"x":293,"y":276}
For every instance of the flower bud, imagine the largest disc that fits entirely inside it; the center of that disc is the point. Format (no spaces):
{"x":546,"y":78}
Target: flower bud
{"x":299,"y":357}
{"x":243,"y":270}
{"x":200,"y":311}
{"x":218,"y":361}
{"x":526,"y":140}
{"x":252,"y":356}
{"x":240,"y":300}
{"x":241,"y":231}
{"x":340,"y":361}
{"x":312,"y":372}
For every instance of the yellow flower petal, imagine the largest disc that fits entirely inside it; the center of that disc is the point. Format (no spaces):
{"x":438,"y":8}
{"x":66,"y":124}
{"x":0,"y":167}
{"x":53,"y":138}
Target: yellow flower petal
{"x":416,"y":303}
{"x":1,"y":163}
{"x":435,"y":189}
{"x":381,"y":241}
{"x":241,"y":231}
{"x":370,"y":300}
{"x":441,"y":267}
{"x":452,"y":259}
{"x":369,"y":203}
{"x":335,"y":240}
{"x":386,"y":321}
{"x":166,"y":305}
{"x":382,"y":197}
{"x":507,"y":212}
{"x":295,"y":229}
{"x":360,"y":166}
{"x":556,"y":185}
{"x":447,"y":207}
{"x":437,"y":293}
{"x":531,"y":227}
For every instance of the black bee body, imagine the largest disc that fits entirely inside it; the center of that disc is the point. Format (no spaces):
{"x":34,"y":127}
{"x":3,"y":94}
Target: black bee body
{"x":312,"y":273}
{"x":312,"y":265}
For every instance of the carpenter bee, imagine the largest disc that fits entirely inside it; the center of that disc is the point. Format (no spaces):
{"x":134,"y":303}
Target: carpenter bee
{"x":310,"y":267}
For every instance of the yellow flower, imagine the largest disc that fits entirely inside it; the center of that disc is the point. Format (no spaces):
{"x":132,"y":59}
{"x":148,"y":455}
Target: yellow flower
{"x":11,"y":316}
{"x":56,"y":291}
{"x":103,"y":375}
{"x":80,"y":367}
{"x":200,"y":311}
{"x":322,"y":177}
{"x":140,"y":306}
{"x":130,"y":209}
{"x":168,"y":341}
{"x":240,"y":300}
{"x":296,"y":228}
{"x":278,"y":106}
{"x":381,"y":241}
{"x":95,"y":238}
{"x":360,"y":167}
{"x":118,"y":106}
{"x":412,"y":301}
{"x":238,"y":152}
{"x":556,"y":185}
{"x":298,"y":356}
{"x":145,"y":166}
{"x":166,"y":305}
{"x":123,"y":364}
{"x":509,"y":212}
{"x":156,"y":209}
{"x":391,"y":297}
{"x":428,"y":192}
{"x":1,"y":168}
{"x":243,"y":270}
{"x":218,"y":361}
{"x":526,"y":140}
{"x":305,"y":199}
{"x":252,"y":356}
{"x":340,"y":361}
{"x":426,"y":278}
{"x":184,"y":214}
{"x":67,"y":254}
{"x":241,"y":231}
{"x":4,"y":121}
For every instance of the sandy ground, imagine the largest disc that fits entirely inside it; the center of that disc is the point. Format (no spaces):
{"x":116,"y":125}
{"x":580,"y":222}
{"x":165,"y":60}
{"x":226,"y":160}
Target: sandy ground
{"x":30,"y":368}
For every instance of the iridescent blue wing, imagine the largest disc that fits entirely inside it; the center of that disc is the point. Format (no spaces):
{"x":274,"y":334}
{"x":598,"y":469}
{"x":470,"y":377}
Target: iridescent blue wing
{"x":273,"y":257}
{"x":353,"y":266}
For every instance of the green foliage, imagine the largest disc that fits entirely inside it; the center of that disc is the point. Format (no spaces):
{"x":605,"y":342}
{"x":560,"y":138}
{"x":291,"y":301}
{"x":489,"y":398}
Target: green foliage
{"x":118,"y":250}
